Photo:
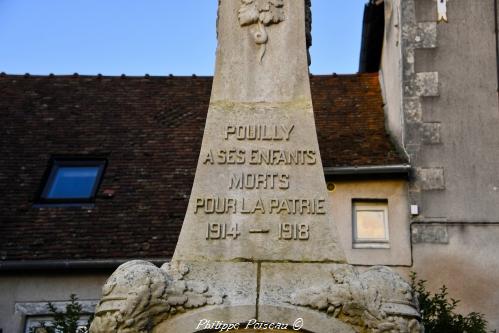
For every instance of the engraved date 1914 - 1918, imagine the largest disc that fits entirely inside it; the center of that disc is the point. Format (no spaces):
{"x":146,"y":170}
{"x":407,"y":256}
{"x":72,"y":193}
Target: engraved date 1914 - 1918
{"x":285,"y":231}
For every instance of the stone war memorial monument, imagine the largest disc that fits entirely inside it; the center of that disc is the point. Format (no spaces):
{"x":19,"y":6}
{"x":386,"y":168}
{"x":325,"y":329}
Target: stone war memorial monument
{"x":258,"y":248}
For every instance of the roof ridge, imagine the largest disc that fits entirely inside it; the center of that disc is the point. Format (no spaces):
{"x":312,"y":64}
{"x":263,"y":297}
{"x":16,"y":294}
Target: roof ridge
{"x":121,"y":76}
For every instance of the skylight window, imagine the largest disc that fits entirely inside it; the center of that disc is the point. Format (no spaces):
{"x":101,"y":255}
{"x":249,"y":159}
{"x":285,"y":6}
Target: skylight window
{"x":72,"y":181}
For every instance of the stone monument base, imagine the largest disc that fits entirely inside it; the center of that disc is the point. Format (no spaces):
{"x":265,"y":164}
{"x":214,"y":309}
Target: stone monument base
{"x":226,"y":296}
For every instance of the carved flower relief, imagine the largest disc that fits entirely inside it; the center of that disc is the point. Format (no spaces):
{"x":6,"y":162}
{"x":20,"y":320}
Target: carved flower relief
{"x":261,"y":13}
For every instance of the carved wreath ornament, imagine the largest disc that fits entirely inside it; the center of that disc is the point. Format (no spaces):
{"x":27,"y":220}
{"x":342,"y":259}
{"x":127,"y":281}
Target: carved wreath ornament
{"x":376,"y":301}
{"x":258,"y":14}
{"x":139,"y":296}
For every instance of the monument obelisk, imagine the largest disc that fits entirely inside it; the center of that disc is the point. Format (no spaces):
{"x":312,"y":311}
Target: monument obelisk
{"x":259,"y":193}
{"x":258,"y":243}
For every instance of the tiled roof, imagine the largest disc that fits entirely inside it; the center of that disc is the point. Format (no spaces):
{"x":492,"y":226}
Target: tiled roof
{"x":350,"y":121}
{"x":150,"y":130}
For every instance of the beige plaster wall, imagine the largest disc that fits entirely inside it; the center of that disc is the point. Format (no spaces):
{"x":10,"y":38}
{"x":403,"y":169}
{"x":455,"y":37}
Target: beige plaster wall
{"x":27,"y":288}
{"x":391,"y":71}
{"x":395,"y":191}
{"x":468,"y":265}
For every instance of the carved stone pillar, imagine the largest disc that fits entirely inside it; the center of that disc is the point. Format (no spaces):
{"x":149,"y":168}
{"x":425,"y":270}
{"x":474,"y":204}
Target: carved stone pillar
{"x":258,"y":244}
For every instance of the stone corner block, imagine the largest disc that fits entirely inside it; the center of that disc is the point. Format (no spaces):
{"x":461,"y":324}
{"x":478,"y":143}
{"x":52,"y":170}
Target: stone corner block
{"x":430,"y":234}
{"x":413,"y":110}
{"x":426,"y":84}
{"x":426,"y":35}
{"x":431,"y":133}
{"x":431,"y":178}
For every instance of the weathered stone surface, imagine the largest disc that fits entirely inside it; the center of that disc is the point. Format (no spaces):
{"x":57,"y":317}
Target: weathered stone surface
{"x":286,"y":217}
{"x":430,"y":234}
{"x":426,"y":84}
{"x":423,"y":84}
{"x":377,"y":300}
{"x":258,"y":16}
{"x":426,"y":35}
{"x":259,"y":199}
{"x":431,"y":133}
{"x":235,"y":283}
{"x":140,"y":296}
{"x":259,"y":191}
{"x":413,"y":110}
{"x":282,"y":74}
{"x":431,"y":178}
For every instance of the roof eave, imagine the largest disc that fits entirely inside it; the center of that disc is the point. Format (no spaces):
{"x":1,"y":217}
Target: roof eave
{"x":396,"y":169}
{"x":69,"y":265}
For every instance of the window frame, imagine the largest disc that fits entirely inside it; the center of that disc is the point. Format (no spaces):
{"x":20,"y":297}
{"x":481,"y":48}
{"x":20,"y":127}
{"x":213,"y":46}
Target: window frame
{"x":32,"y":313}
{"x":370,"y":205}
{"x":57,"y":162}
{"x":32,"y":323}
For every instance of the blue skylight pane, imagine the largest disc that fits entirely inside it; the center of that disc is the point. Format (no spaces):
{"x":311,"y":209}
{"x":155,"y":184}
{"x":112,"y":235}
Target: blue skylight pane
{"x":73,"y":182}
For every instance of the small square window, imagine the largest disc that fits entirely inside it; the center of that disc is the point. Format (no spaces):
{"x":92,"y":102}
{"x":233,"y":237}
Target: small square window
{"x":72,"y":181}
{"x":370,"y":224}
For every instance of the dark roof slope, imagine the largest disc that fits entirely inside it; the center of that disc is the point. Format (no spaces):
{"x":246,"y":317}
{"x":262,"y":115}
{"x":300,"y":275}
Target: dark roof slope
{"x":350,"y":121}
{"x":150,"y":130}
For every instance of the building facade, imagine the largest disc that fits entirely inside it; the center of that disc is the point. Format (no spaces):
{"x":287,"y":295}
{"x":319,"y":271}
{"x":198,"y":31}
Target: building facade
{"x":148,"y":132}
{"x":409,"y":153}
{"x":440,"y":86}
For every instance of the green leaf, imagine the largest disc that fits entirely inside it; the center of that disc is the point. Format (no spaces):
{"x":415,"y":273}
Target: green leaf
{"x":437,"y":311}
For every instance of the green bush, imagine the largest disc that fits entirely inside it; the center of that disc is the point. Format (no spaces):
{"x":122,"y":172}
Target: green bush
{"x":64,"y":321}
{"x":438,"y":315}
